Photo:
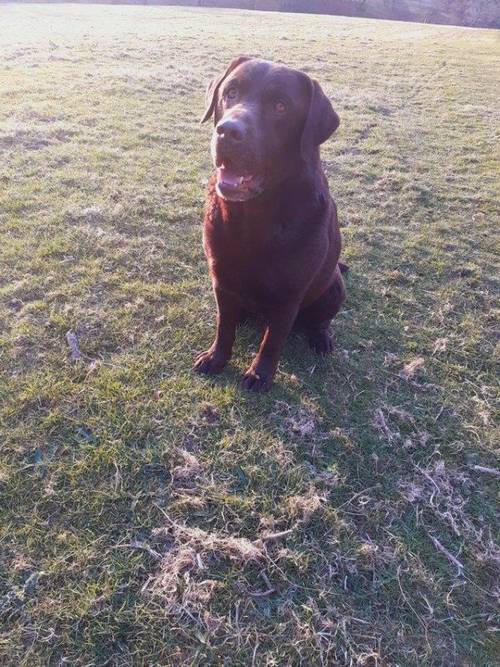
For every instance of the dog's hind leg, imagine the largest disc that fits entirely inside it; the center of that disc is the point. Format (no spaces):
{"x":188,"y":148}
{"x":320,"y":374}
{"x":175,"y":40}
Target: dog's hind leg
{"x":316,"y":317}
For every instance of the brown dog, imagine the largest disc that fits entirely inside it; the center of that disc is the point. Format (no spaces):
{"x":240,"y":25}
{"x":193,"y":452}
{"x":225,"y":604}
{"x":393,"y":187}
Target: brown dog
{"x":271,"y":234}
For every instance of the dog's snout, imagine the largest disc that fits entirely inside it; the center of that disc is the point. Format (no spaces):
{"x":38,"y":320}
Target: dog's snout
{"x":231,"y":130}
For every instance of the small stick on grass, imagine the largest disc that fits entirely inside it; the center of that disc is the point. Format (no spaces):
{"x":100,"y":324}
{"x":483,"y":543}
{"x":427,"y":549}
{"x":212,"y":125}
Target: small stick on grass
{"x":276,"y":536}
{"x":262,"y":594}
{"x":356,"y":495}
{"x":270,"y":588}
{"x":427,"y":476}
{"x":254,"y":656}
{"x":487,"y":471}
{"x":140,"y":546}
{"x":72,"y":341}
{"x":448,"y":555}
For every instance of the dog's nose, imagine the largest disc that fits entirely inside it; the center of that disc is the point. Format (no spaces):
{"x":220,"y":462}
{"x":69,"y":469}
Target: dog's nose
{"x":230,"y":129}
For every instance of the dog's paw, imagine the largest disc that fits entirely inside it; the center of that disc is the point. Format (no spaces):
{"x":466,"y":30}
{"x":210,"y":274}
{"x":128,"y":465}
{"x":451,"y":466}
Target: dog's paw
{"x":253,"y":380}
{"x":321,"y":341}
{"x":210,"y":363}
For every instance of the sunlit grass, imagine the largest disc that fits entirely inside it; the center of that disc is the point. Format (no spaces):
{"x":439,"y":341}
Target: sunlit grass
{"x":139,"y":501}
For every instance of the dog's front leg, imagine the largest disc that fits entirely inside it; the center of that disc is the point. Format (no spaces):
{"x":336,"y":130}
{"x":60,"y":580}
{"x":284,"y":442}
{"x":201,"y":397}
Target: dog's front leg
{"x":260,"y":375}
{"x":216,"y":357}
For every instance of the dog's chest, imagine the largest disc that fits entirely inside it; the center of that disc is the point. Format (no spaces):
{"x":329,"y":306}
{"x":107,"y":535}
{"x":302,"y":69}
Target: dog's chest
{"x":253,"y":270}
{"x":262,"y":264}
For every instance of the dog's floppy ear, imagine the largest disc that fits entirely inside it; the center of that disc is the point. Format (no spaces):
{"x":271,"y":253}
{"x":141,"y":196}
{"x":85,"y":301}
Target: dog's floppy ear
{"x":321,"y":121}
{"x":213,"y":87}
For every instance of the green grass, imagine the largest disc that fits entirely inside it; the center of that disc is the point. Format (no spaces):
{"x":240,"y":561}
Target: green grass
{"x":137,"y":498}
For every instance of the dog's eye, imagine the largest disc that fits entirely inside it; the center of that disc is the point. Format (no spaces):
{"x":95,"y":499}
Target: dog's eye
{"x":231,"y":93}
{"x":279,"y":106}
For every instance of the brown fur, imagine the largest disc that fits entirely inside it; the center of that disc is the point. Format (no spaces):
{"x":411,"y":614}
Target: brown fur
{"x":276,"y":253}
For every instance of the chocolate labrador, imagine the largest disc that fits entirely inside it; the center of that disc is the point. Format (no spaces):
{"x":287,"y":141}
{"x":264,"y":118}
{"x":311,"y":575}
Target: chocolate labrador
{"x":271,"y":234}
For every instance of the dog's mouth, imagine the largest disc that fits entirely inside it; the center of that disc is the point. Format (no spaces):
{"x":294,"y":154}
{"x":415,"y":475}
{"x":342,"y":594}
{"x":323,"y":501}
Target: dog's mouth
{"x":236,"y":186}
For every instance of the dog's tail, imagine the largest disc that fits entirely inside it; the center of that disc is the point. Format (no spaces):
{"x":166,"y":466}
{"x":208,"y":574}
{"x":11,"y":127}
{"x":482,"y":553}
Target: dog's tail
{"x":343,"y":267}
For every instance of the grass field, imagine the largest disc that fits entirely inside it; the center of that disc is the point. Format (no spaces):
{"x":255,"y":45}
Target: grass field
{"x":153,"y":517}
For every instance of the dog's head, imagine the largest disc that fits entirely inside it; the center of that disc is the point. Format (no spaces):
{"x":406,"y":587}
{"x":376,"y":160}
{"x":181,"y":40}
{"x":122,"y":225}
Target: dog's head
{"x":268,"y":119}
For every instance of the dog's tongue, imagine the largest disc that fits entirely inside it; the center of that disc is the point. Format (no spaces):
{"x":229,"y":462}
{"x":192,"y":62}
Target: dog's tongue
{"x":228,"y":177}
{"x":231,"y":179}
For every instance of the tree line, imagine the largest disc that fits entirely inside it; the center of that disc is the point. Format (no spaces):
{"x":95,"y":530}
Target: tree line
{"x":484,"y":13}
